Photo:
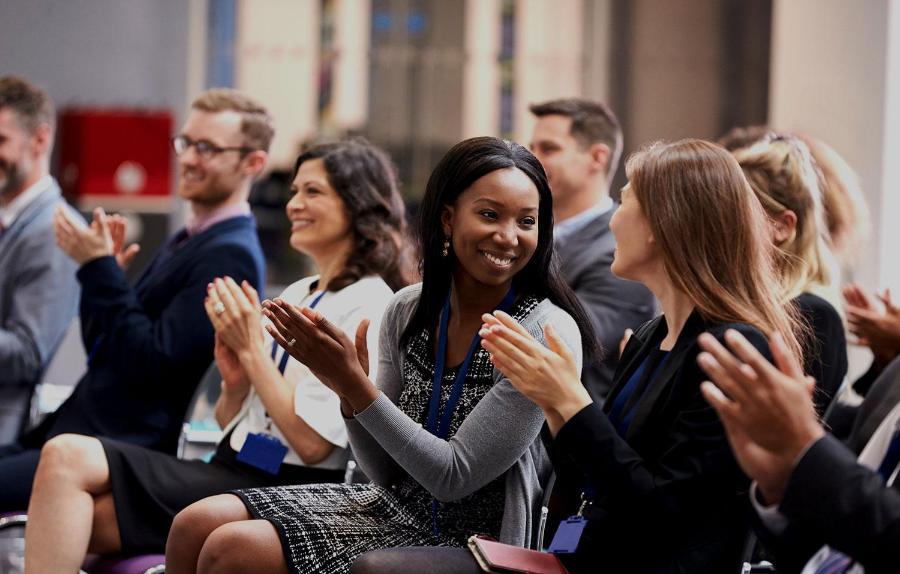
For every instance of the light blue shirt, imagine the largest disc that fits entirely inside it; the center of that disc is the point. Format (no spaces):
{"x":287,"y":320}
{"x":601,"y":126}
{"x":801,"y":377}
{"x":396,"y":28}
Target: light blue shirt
{"x":564,"y":229}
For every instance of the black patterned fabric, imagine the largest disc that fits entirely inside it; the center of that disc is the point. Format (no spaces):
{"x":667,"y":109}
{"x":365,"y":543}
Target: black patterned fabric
{"x":325,"y":527}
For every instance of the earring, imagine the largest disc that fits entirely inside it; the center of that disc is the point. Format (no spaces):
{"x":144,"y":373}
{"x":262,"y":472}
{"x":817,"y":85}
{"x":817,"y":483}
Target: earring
{"x":446,"y":251}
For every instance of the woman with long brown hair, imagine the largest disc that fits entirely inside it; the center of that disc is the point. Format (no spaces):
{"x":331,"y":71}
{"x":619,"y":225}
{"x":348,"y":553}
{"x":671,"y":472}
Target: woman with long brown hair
{"x":653,"y":485}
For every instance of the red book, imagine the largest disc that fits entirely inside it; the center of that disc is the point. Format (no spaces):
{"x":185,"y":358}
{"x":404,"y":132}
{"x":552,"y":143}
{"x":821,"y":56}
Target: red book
{"x":495,"y":556}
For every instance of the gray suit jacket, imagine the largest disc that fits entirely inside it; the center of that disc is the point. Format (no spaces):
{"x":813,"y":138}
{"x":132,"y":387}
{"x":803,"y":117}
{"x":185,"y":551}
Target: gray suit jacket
{"x":38,"y":297}
{"x":612,"y":304}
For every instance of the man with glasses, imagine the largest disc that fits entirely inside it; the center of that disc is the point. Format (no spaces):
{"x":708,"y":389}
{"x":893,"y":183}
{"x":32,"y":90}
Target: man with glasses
{"x":149,"y":345}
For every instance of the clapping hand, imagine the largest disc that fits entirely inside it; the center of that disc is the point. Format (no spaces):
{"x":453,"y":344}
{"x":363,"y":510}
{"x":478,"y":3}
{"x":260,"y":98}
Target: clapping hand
{"x":83,"y":243}
{"x":767,"y":412}
{"x":873,"y":327}
{"x":337,"y":361}
{"x":235,"y":314}
{"x":124,"y":255}
{"x":549,"y":377}
{"x":234,"y":377}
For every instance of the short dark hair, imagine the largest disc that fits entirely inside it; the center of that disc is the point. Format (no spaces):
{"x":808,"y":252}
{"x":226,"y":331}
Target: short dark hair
{"x":257,"y":125}
{"x":32,"y":106}
{"x":465,"y":163}
{"x":592,"y":122}
{"x":365,"y":179}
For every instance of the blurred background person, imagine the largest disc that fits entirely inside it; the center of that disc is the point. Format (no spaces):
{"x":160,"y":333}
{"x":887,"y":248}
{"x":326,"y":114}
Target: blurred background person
{"x":38,"y":290}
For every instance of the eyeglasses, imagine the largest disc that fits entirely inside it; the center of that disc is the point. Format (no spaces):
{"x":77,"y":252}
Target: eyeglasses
{"x":205,"y":150}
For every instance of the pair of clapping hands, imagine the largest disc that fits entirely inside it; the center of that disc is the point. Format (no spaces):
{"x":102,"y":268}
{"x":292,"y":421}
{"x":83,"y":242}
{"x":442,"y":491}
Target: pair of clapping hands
{"x":104,"y":236}
{"x":873,"y":327}
{"x":235,"y":311}
{"x":767,"y":410}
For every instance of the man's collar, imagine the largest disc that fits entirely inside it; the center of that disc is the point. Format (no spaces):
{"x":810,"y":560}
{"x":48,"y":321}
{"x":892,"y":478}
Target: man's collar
{"x":571,"y":225}
{"x":198,"y":224}
{"x":11,"y":212}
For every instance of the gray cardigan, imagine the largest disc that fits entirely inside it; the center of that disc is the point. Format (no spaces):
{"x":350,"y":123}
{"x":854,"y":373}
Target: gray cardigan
{"x":501,"y":434}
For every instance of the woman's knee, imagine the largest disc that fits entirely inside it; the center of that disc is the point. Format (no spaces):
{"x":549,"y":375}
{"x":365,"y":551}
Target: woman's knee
{"x":249,"y":545}
{"x":77,"y":458}
{"x":202,"y":518}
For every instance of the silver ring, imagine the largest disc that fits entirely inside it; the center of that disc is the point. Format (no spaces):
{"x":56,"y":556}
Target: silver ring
{"x":291,"y":342}
{"x":219,"y":308}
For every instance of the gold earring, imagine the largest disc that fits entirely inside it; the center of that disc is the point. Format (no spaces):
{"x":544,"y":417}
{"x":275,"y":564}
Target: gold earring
{"x":446,"y":251}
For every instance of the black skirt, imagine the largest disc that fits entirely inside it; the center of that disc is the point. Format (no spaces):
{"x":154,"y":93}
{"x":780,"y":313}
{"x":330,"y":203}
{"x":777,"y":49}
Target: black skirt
{"x":149,"y":487}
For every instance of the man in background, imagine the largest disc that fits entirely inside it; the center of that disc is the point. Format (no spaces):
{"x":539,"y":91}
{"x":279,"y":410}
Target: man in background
{"x":579,"y":143}
{"x":38,"y":290}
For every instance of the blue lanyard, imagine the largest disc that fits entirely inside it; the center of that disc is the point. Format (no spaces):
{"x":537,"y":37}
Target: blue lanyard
{"x":282,"y":365}
{"x":439,"y":364}
{"x":441,"y":431}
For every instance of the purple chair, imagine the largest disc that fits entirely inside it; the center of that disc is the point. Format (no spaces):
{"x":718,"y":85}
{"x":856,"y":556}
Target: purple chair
{"x":144,"y":564}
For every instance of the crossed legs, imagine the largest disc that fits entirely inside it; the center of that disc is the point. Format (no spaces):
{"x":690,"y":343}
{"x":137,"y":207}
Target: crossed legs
{"x":218,"y":535}
{"x":71,"y":510}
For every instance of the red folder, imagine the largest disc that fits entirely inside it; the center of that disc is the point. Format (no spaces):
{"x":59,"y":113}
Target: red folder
{"x":495,"y":556}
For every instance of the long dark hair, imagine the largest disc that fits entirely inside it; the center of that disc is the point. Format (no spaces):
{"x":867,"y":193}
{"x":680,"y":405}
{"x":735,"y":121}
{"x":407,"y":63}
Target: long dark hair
{"x":364,"y":178}
{"x":460,"y":167}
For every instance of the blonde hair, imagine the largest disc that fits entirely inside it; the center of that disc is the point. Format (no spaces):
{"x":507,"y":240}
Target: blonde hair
{"x":784,"y":177}
{"x":257,"y":126}
{"x":712,"y":234}
{"x":846,"y":212}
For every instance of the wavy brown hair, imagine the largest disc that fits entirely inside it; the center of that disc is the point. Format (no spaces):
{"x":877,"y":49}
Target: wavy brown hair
{"x":713,"y":235}
{"x":365,"y":179}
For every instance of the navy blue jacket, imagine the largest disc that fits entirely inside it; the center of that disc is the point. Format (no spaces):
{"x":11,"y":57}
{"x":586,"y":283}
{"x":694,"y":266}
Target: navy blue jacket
{"x":150,"y":345}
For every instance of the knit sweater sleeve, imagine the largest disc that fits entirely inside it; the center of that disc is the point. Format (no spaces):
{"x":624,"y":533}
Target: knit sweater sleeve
{"x":497,"y":432}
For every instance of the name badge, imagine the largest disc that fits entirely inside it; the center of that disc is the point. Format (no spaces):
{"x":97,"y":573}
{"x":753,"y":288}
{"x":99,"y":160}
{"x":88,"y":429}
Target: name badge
{"x":568,"y":535}
{"x":263,"y":451}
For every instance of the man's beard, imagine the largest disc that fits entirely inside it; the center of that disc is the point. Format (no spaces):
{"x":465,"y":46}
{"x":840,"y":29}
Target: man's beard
{"x":11,"y":178}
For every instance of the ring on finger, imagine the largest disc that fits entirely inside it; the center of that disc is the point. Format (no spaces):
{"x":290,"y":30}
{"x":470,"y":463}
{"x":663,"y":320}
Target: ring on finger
{"x":219,"y":308}
{"x":291,"y":342}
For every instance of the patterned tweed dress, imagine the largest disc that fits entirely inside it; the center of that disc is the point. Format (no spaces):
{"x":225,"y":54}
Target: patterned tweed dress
{"x":325,"y":527}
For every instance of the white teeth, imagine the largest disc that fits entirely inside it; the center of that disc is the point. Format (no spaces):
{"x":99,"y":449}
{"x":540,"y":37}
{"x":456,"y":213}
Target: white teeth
{"x":502,"y":262}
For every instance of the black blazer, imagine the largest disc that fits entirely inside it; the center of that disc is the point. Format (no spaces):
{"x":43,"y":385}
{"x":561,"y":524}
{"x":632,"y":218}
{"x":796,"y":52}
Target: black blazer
{"x":612,"y":304}
{"x":669,"y":496}
{"x":826,"y":358}
{"x":831,"y":499}
{"x":150,"y":345}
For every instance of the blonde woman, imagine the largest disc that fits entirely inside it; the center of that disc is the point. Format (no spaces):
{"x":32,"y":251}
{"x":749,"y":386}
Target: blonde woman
{"x":785,"y":178}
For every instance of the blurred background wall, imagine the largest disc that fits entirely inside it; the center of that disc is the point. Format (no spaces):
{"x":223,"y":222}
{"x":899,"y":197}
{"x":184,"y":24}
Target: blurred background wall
{"x":416,"y":76}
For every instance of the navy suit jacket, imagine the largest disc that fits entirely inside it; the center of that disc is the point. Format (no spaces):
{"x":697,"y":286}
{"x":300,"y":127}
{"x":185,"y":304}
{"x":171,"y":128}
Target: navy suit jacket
{"x":669,"y":495}
{"x":148,"y":346}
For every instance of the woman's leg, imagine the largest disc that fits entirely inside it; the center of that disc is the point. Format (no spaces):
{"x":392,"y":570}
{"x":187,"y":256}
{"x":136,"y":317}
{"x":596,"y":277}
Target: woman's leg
{"x":193,"y":525}
{"x":71,"y":472}
{"x":247,"y":546}
{"x":105,"y":537}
